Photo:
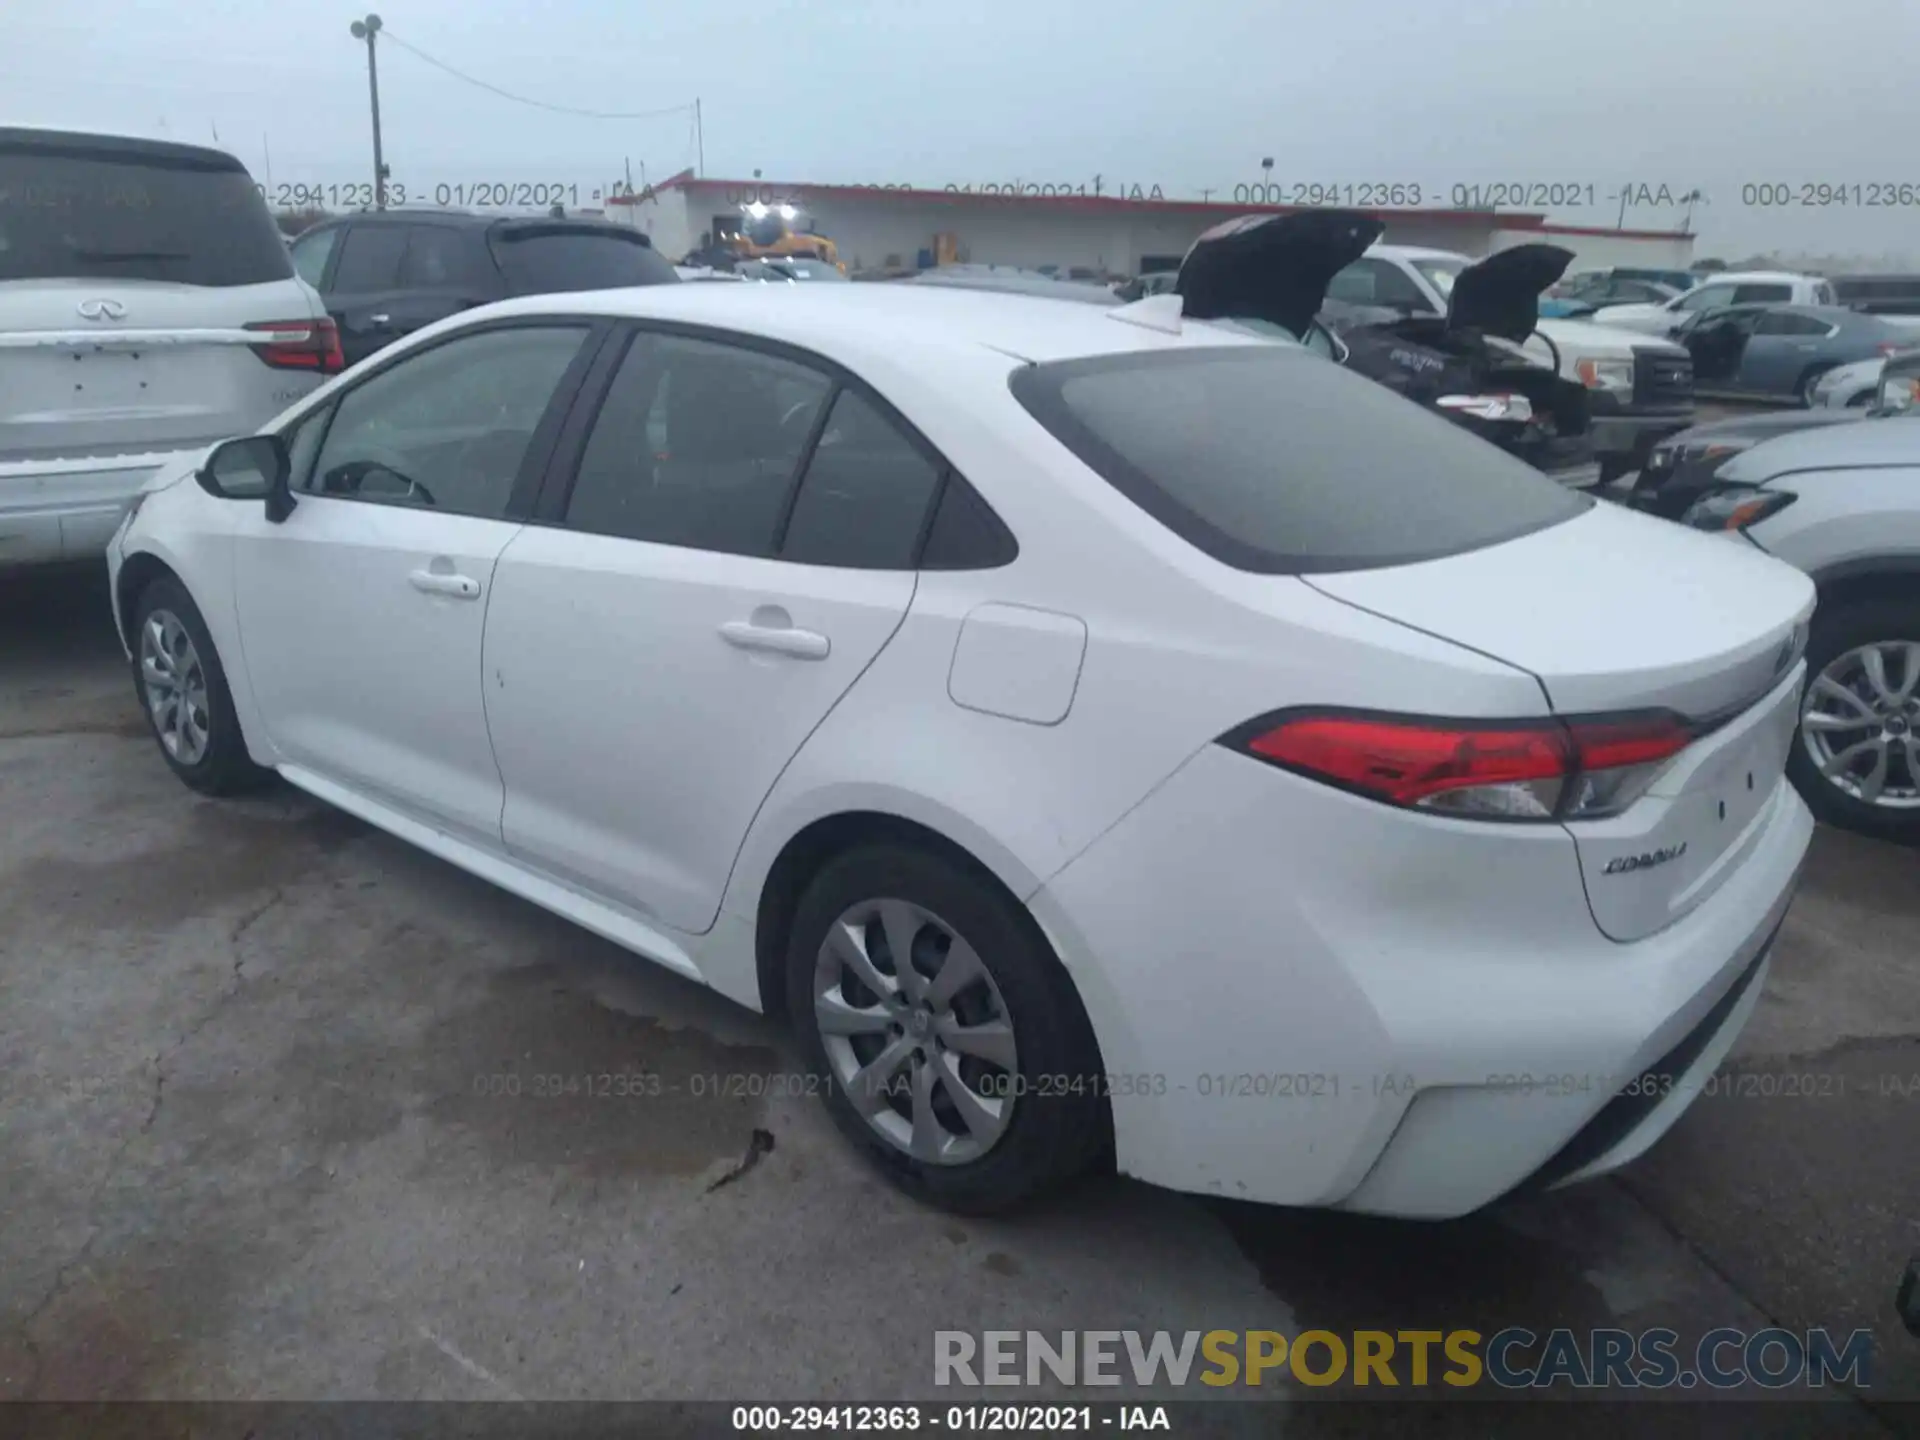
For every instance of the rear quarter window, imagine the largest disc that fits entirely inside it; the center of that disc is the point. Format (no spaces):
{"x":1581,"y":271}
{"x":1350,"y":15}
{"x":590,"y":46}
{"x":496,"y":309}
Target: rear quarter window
{"x":79,"y":211}
{"x":1272,"y":460}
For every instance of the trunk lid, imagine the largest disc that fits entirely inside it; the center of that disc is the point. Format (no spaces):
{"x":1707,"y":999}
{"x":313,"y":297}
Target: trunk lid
{"x":1500,"y":295}
{"x":100,"y":368}
{"x":129,"y":271}
{"x":1616,"y":612}
{"x":1272,"y":267}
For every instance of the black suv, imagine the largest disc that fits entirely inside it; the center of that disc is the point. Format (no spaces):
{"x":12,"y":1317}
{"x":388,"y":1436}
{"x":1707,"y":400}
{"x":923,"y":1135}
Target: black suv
{"x":386,"y":273}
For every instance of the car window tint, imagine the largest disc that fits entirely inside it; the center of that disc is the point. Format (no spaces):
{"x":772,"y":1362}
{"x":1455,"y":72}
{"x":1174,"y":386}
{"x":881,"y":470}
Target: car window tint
{"x":74,"y":209}
{"x":303,"y":445}
{"x":539,"y":259}
{"x":311,"y":252}
{"x":1705,"y":298}
{"x":436,"y":257}
{"x":1785,"y":322}
{"x":1761,"y":294}
{"x":370,"y":258}
{"x":864,"y":496}
{"x":446,"y":429}
{"x":696,"y":445}
{"x":1376,"y":282}
{"x":966,"y":534}
{"x":1341,"y":475}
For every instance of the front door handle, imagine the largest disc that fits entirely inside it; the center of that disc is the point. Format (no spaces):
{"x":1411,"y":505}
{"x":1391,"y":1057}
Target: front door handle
{"x":775,"y":639}
{"x":380,"y":322}
{"x":436,"y":582}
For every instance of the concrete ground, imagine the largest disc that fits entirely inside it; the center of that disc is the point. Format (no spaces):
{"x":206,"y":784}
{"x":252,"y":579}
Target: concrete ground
{"x":253,"y":1142}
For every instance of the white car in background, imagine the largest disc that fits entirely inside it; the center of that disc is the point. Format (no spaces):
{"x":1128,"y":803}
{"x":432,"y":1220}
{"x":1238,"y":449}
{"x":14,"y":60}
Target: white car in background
{"x":1746,"y":287}
{"x":152,"y":311}
{"x":1639,"y":389}
{"x":1100,"y":732}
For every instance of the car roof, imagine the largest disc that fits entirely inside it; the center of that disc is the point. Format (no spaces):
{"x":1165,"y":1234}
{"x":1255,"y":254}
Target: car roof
{"x":46,"y":137}
{"x":856,"y":322}
{"x":1742,"y":277}
{"x":1414,"y":252}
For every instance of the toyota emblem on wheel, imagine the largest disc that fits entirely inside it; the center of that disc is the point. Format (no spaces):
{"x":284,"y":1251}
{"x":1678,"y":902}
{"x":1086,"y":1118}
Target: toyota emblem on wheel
{"x":102,"y":310}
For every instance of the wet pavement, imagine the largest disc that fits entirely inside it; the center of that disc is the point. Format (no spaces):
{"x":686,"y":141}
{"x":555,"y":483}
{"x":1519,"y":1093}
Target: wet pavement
{"x":290,"y":1110}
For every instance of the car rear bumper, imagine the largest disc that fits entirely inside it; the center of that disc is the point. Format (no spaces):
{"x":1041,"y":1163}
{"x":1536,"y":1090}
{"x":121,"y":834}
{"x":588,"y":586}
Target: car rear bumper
{"x":68,"y":509}
{"x":1306,"y":998}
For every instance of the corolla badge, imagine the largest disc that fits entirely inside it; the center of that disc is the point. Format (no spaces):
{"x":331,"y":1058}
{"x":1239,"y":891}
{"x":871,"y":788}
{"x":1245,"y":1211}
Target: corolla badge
{"x":1627,"y":864}
{"x":102,"y":310}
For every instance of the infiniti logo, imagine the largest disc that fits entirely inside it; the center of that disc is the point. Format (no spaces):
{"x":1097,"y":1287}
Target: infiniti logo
{"x":102,"y":310}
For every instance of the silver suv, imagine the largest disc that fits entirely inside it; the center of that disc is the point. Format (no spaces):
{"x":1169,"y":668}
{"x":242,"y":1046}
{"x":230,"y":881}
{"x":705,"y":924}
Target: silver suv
{"x":148,"y":307}
{"x":1843,"y":503}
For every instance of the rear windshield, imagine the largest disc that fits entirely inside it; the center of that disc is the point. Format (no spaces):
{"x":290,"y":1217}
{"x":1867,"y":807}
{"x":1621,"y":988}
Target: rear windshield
{"x":1272,"y":460}
{"x":540,"y":261}
{"x":71,"y":213}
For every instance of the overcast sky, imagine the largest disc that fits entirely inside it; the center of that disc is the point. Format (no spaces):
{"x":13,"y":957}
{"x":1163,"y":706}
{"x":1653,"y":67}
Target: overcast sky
{"x":1712,"y":94}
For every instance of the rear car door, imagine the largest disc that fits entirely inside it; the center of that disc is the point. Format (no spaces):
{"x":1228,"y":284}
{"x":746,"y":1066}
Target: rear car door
{"x":361,"y":615}
{"x":392,"y":278}
{"x":1784,"y":346}
{"x":681,"y":616}
{"x":147,"y":306}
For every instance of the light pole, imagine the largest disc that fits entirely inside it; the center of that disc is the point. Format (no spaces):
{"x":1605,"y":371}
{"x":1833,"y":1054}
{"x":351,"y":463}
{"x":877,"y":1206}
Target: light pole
{"x":366,"y":30}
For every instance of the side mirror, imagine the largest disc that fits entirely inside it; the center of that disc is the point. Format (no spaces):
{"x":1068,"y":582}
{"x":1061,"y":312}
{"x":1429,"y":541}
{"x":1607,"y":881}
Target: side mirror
{"x":251,"y":467}
{"x":1899,"y":388}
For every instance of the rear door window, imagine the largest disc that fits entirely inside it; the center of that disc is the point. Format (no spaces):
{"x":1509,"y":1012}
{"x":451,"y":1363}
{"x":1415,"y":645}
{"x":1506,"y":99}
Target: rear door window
{"x":545,"y":259}
{"x":72,"y":210}
{"x":311,"y":253}
{"x":437,"y":258}
{"x":1761,"y":294}
{"x":1273,"y":461}
{"x":370,"y":259}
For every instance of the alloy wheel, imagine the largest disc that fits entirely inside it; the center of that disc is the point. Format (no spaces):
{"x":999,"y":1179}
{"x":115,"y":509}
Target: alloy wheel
{"x":916,"y":1031}
{"x":1860,"y":723}
{"x":176,"y":687}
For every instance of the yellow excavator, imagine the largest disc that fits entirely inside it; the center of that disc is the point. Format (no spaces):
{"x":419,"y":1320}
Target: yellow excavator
{"x":767,"y":233}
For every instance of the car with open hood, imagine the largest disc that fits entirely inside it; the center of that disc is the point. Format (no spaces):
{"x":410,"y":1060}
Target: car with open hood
{"x":1468,"y":363}
{"x":1639,"y":387}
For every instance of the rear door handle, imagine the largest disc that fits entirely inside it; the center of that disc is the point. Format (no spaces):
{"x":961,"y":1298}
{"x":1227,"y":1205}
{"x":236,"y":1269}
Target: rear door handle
{"x":435,"y":582}
{"x":382,"y":321}
{"x":775,"y":640}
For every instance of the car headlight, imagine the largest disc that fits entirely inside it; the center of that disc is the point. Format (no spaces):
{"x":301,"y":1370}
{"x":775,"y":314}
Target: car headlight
{"x":1735,"y":508}
{"x":1612,"y":375}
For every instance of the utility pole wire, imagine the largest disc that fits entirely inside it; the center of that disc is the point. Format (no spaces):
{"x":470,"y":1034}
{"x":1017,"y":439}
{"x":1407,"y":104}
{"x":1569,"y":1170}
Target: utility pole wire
{"x":416,"y":51}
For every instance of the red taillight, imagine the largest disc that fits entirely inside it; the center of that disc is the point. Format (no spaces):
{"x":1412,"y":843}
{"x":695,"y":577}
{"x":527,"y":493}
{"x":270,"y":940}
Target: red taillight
{"x":1520,"y":770}
{"x":301,"y":345}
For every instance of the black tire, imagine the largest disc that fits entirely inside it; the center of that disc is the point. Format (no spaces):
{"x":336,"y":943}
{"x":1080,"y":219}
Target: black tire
{"x":1834,"y":633}
{"x":1059,"y":1123}
{"x":224,"y":768}
{"x":1804,"y":391}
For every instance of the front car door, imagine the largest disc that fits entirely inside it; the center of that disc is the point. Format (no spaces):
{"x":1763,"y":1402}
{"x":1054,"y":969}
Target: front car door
{"x":1697,"y":302}
{"x":361,"y":615}
{"x":684,"y":614}
{"x":1717,"y":340}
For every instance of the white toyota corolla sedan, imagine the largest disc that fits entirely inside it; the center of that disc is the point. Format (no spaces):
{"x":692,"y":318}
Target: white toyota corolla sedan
{"x":1101,"y":733}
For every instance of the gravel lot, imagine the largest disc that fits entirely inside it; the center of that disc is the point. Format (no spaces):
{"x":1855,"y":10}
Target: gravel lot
{"x":245,"y":1149}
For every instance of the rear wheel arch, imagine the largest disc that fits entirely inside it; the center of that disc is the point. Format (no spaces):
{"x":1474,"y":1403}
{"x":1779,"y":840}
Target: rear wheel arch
{"x":817,"y":844}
